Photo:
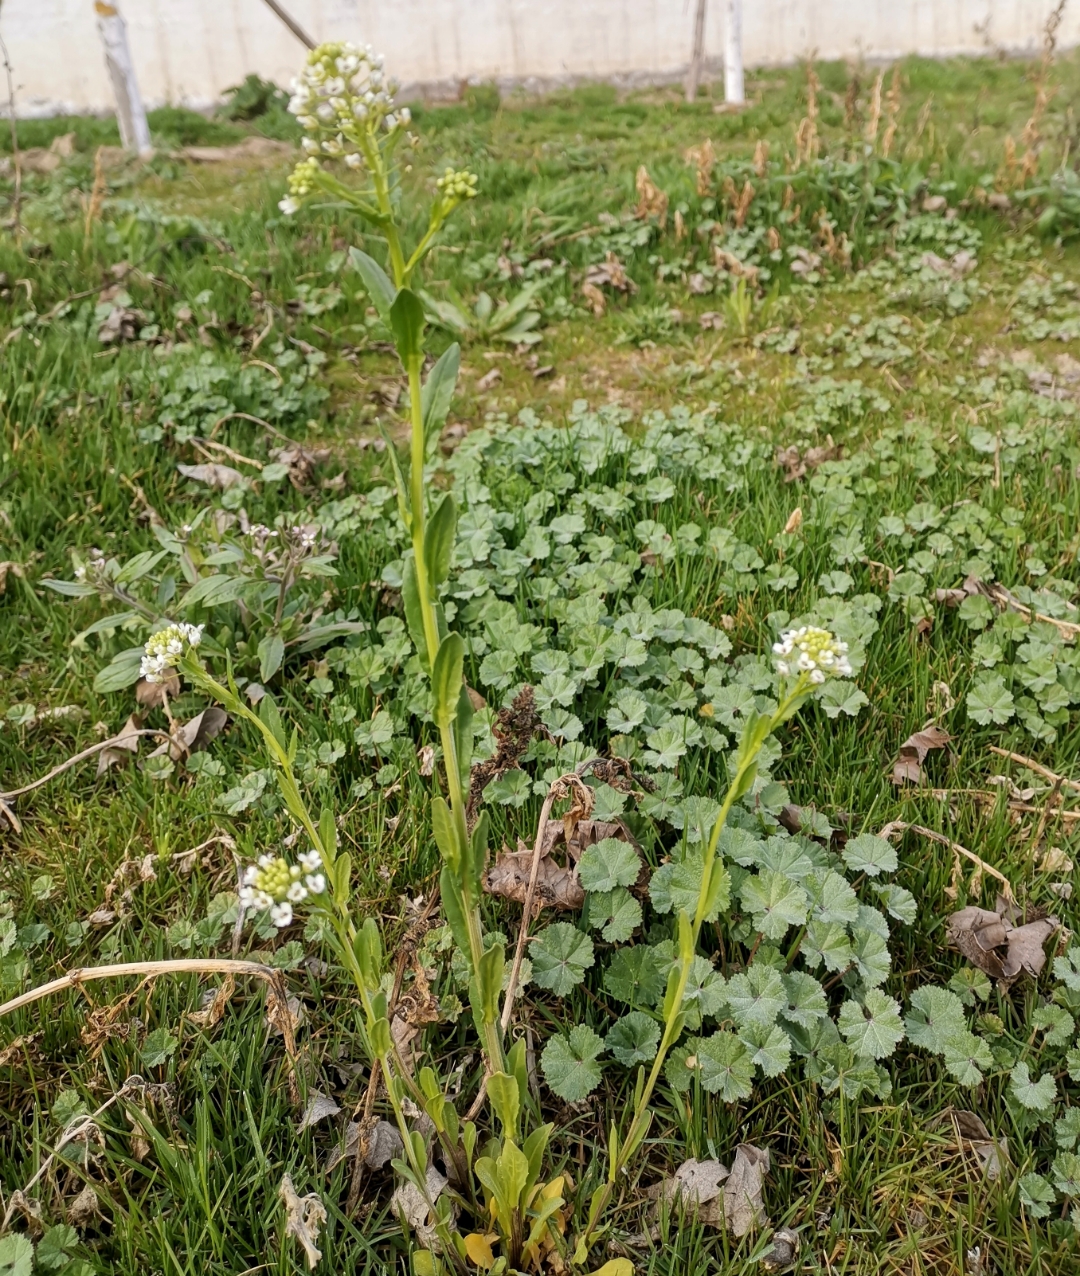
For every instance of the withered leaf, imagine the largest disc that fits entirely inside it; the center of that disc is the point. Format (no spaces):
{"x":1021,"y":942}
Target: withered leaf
{"x":85,"y":1208}
{"x":694,"y":1182}
{"x":409,"y":1203}
{"x":797,"y":464}
{"x":121,"y":746}
{"x":382,"y":1145}
{"x":319,"y":1107}
{"x":556,"y":885}
{"x":304,"y":1218}
{"x":151,"y":695}
{"x":907,"y":769}
{"x":215,"y":1007}
{"x":783,"y":1252}
{"x":743,"y":1206}
{"x":993,"y":1154}
{"x":991,"y":942}
{"x":213,"y":474}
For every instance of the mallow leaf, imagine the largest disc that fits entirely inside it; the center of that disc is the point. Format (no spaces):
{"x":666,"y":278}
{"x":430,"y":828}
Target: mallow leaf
{"x":1036,"y":1096}
{"x":616,"y":913}
{"x":560,"y":955}
{"x":775,"y":901}
{"x":569,"y":1063}
{"x":936,"y":1017}
{"x":870,"y":854}
{"x":633,"y":1038}
{"x":873,"y":1029}
{"x":609,"y":863}
{"x":725,"y":1066}
{"x":756,"y":997}
{"x":634,"y":976}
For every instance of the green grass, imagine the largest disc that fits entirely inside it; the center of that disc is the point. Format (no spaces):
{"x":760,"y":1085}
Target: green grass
{"x":84,"y":456}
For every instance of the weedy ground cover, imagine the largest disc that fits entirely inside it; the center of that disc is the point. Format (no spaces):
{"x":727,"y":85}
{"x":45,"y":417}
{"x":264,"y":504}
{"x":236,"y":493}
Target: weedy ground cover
{"x":813,"y":364}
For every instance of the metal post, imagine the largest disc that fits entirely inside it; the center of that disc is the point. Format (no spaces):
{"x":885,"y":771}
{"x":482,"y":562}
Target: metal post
{"x":130,"y":112}
{"x":734,"y":92}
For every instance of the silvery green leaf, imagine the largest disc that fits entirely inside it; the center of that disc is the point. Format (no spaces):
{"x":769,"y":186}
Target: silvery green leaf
{"x":869,"y":854}
{"x":675,"y":886}
{"x":1056,"y":1022}
{"x":1067,"y":1129}
{"x":742,"y":846}
{"x":837,"y":697}
{"x":608,"y":803}
{"x":936,"y":1016}
{"x":770,"y":1049}
{"x":898,"y":902}
{"x":633,"y":1039}
{"x":1036,"y":1096}
{"x":831,"y":898}
{"x":616,"y":911}
{"x":871,"y":955}
{"x":989,"y":700}
{"x":966,"y":1057}
{"x":1067,"y":968}
{"x":706,"y":991}
{"x":666,"y":747}
{"x":775,"y":901}
{"x":569,"y":1063}
{"x":1066,"y":1172}
{"x":785,"y":855}
{"x":607,"y":864}
{"x":695,"y":816}
{"x":511,"y":789}
{"x":873,"y":1029}
{"x":827,"y":942}
{"x":628,"y":711}
{"x":560,"y":956}
{"x":870,"y":919}
{"x":1036,"y":1195}
{"x":756,"y":996}
{"x":725,"y":1067}
{"x":555,"y":690}
{"x":634,"y":976}
{"x":806,"y":1002}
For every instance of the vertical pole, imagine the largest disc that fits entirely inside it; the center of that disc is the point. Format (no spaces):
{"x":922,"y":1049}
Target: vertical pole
{"x":734,"y":92}
{"x":697,"y":57}
{"x":130,"y":112}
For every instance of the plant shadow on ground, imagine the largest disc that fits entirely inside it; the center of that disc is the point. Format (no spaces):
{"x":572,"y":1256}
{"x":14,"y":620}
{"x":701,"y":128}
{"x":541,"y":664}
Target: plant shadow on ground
{"x":928,"y":417}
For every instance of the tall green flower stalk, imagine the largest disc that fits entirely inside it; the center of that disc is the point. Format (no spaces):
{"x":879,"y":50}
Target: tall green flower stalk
{"x":806,"y":658}
{"x":346,"y":106}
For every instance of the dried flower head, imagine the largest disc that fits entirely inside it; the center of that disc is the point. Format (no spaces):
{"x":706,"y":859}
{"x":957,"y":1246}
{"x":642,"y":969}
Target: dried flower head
{"x":165,"y":649}
{"x":276,"y":884}
{"x":814,"y":653}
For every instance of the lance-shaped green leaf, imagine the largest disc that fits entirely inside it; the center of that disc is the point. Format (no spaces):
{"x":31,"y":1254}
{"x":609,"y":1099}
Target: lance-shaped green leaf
{"x":437,"y":394}
{"x":407,"y":325}
{"x":122,"y":671}
{"x":873,"y":1029}
{"x":446,"y":677}
{"x":379,"y":286}
{"x":570,"y":1063}
{"x":560,"y":955}
{"x":439,"y":540}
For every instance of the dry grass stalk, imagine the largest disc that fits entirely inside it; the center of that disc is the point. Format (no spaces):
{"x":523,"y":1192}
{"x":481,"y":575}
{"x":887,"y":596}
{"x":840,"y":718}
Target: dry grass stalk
{"x":652,"y":201}
{"x":761,"y":157}
{"x":913,"y":150}
{"x":892,"y":113}
{"x":807,"y":141}
{"x":851,"y":102}
{"x":874,"y":122}
{"x":1032,"y":136}
{"x":703,"y":158}
{"x":97,"y":192}
{"x":981,"y":866}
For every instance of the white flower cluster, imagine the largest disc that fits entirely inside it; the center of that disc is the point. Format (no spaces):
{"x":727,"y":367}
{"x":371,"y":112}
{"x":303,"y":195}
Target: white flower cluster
{"x":164,"y":649}
{"x":276,"y":884}
{"x":93,"y":570}
{"x":812,"y":651}
{"x":342,"y":94}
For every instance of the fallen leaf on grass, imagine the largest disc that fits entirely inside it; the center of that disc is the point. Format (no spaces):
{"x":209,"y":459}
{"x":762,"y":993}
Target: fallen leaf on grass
{"x":489,"y":380}
{"x":694,"y":1182}
{"x":213,"y":474}
{"x":652,"y":201}
{"x":993,"y":1154}
{"x":783,"y":1251}
{"x":304,"y":1218}
{"x":991,"y":942}
{"x":797,"y":464}
{"x":743,"y":1206}
{"x":84,"y":1209}
{"x":610,"y":273}
{"x":409,"y":1203}
{"x":383,"y":1144}
{"x":121,"y":747}
{"x":319,"y":1107}
{"x":214,"y":1008}
{"x":152,"y":695}
{"x":557,"y":886}
{"x":6,"y":566}
{"x":907,"y":769}
{"x":194,"y":735}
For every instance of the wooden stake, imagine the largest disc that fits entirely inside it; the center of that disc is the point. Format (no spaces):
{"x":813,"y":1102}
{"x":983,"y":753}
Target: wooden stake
{"x":130,"y":112}
{"x":697,"y":57}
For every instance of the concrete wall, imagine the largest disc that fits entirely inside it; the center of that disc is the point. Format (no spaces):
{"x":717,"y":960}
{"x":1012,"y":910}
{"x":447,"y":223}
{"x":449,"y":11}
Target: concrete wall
{"x":188,"y":51}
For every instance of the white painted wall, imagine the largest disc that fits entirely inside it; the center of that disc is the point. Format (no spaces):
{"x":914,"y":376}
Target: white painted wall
{"x":188,"y":51}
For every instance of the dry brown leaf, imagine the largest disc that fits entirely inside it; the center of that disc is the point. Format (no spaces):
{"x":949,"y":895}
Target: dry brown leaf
{"x":556,"y":886}
{"x":489,"y":380}
{"x":84,"y":1208}
{"x":122,"y":746}
{"x":743,"y":1206}
{"x":6,"y":565}
{"x":302,"y":463}
{"x":993,"y":1154}
{"x":319,"y":1107}
{"x":991,"y":942}
{"x":694,"y":1183}
{"x":382,"y":1144}
{"x":213,"y":474}
{"x":194,"y":735}
{"x":151,"y":695}
{"x":304,"y":1218}
{"x":425,"y":755}
{"x":797,"y":464}
{"x":595,"y":298}
{"x":794,"y":521}
{"x":783,"y":1252}
{"x":274,"y":1012}
{"x":652,"y":201}
{"x":610,"y":273}
{"x":215,"y":1008}
{"x":907,"y":769}
{"x":409,"y":1203}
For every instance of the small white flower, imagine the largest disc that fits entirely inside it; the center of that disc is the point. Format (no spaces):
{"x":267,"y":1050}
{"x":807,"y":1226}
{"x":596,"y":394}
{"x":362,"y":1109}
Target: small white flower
{"x":316,"y":883}
{"x":296,"y":893}
{"x":289,"y":206}
{"x":354,"y":160}
{"x":281,"y":915}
